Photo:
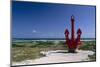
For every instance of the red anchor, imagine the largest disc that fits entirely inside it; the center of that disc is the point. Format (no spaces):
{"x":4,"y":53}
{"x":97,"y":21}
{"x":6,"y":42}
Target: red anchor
{"x":73,"y":42}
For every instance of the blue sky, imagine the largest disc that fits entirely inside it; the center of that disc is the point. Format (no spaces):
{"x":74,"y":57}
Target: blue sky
{"x":45,"y":20}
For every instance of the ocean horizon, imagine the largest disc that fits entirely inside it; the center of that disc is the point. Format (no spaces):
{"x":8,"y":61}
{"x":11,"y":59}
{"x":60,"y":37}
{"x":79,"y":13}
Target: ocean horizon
{"x":47,"y":39}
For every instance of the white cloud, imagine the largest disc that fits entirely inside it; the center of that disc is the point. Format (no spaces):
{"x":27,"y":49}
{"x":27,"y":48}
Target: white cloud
{"x":34,"y":31}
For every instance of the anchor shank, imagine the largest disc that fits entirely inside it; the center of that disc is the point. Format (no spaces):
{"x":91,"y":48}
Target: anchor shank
{"x":72,"y":28}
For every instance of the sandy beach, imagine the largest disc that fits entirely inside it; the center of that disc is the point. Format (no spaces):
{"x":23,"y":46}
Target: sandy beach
{"x":57,"y":57}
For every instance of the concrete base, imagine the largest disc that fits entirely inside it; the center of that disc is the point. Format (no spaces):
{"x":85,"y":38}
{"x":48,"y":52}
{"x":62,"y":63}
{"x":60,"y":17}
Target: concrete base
{"x":72,"y":51}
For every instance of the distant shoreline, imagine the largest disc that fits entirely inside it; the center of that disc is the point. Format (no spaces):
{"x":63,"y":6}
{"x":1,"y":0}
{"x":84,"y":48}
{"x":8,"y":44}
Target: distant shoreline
{"x":48,"y":39}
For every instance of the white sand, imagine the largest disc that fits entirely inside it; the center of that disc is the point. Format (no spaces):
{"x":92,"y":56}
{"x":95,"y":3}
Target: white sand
{"x":58,"y":56}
